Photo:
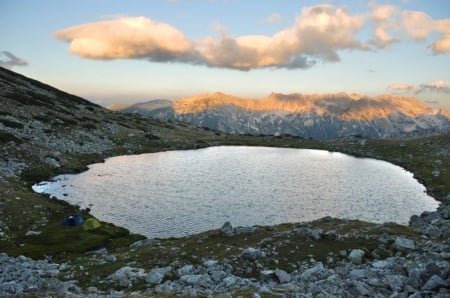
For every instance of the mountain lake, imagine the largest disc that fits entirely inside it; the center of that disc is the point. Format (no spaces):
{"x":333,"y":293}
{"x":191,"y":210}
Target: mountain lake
{"x":177,"y":193}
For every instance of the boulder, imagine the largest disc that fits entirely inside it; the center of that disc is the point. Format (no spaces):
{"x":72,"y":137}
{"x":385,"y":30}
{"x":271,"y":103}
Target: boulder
{"x":156,"y":275}
{"x":244,"y":230}
{"x":250,"y":254}
{"x":434,"y":282}
{"x":185,"y":270}
{"x":227,"y":229}
{"x":282,"y":276}
{"x":396,"y":282}
{"x":356,"y":256}
{"x":402,"y":243}
{"x":316,"y":234}
{"x":432,"y":231}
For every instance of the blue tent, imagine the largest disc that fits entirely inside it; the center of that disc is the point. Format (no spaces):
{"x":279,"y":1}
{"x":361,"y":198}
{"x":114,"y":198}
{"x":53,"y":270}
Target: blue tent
{"x":73,"y":220}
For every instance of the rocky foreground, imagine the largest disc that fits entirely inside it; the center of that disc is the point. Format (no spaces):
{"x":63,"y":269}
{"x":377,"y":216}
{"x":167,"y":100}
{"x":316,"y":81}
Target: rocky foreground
{"x":413,"y":267}
{"x":44,"y":131}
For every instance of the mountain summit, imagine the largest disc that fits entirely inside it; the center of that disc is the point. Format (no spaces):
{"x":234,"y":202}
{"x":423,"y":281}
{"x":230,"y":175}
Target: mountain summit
{"x":320,"y":116}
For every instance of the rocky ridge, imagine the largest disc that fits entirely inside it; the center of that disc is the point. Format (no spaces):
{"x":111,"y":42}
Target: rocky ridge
{"x":318,"y":116}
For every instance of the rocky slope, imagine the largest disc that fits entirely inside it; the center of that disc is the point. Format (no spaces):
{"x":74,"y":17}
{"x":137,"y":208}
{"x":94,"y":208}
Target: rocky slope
{"x":323,"y":117}
{"x":44,"y":131}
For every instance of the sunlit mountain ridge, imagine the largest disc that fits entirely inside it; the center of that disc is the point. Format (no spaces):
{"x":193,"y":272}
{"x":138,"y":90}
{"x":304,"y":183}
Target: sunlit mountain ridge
{"x":319,"y":116}
{"x":342,"y":105}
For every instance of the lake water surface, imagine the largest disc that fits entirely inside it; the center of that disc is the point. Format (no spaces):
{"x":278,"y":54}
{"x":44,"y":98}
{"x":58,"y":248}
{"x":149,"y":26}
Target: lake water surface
{"x":177,"y":193}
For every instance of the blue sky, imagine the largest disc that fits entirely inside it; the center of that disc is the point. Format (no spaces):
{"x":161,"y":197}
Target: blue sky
{"x":135,"y":50}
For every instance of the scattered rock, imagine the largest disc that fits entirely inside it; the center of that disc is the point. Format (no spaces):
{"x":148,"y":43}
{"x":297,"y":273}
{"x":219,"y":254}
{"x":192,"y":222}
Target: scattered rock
{"x":250,"y":254}
{"x":156,"y":275}
{"x":282,"y":276}
{"x":434,"y":282}
{"x":402,"y":243}
{"x":227,"y":229}
{"x":356,"y":256}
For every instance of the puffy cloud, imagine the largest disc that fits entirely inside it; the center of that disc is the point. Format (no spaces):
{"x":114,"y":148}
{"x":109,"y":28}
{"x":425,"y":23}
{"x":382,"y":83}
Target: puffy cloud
{"x":9,"y":60}
{"x":402,"y":87}
{"x":419,"y":25}
{"x":385,"y":19}
{"x":128,"y":37}
{"x":435,"y":86}
{"x":318,"y":34}
{"x":431,"y":86}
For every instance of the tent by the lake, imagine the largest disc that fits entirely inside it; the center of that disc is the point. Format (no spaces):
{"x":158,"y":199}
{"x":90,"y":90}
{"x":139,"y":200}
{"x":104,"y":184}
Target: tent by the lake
{"x":72,"y":220}
{"x":91,"y":224}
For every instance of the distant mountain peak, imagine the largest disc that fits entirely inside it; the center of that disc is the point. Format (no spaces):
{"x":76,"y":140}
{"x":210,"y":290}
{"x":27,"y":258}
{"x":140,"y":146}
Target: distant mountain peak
{"x":320,"y":116}
{"x":341,"y":105}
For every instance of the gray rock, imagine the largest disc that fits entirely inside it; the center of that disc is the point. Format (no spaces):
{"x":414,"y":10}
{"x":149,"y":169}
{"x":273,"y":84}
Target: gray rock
{"x":217,"y":275}
{"x":381,"y":264}
{"x":283,"y":276}
{"x":430,"y":270}
{"x":316,"y":234}
{"x":331,"y":234}
{"x":266,"y":275}
{"x":415,"y":278}
{"x":356,"y":256}
{"x":209,"y":263}
{"x":196,"y":280}
{"x":434,"y":282}
{"x":185,"y":270}
{"x":156,"y":275}
{"x":445,"y":212}
{"x":313,"y":274}
{"x":396,"y":282}
{"x":125,"y":276}
{"x":250,"y":254}
{"x":33,"y":233}
{"x":432,"y":231}
{"x":417,"y":222}
{"x":227,"y":229}
{"x":52,"y":162}
{"x":402,"y":243}
{"x":357,"y":274}
{"x":244,"y":230}
{"x":430,"y":216}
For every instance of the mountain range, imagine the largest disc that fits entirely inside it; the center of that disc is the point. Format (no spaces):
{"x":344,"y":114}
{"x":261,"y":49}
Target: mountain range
{"x":318,"y":116}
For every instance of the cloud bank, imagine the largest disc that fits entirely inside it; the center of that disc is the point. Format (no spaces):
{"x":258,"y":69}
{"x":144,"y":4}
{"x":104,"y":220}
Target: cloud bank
{"x":9,"y":60}
{"x":431,"y":86}
{"x":317,"y":35}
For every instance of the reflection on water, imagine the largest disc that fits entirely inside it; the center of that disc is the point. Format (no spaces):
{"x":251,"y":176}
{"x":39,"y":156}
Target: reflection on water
{"x":177,"y":193}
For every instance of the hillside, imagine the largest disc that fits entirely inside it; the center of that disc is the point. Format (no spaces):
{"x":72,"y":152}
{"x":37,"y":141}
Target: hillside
{"x":318,"y":116}
{"x":45,"y":131}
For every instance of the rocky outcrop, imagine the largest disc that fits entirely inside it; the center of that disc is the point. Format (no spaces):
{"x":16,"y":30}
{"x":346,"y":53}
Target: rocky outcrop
{"x":23,"y":276}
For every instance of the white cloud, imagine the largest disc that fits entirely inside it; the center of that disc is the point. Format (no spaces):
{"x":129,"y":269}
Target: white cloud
{"x":431,"y":86}
{"x":127,"y":37}
{"x":9,"y":60}
{"x":419,"y":25}
{"x":435,"y":86}
{"x":318,"y":34}
{"x":402,"y":87}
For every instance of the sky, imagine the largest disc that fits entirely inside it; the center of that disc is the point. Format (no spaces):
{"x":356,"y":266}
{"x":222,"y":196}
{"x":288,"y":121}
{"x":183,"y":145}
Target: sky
{"x":117,"y":51}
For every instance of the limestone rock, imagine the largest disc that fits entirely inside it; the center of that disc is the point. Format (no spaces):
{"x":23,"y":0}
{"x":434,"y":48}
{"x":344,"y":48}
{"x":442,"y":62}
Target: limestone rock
{"x":282,"y":276}
{"x":227,"y":229}
{"x":156,"y":275}
{"x":402,"y":243}
{"x":356,"y":256}
{"x":434,"y":282}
